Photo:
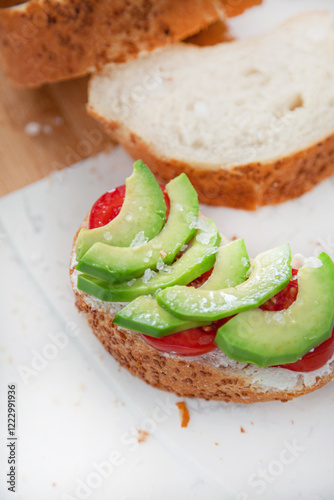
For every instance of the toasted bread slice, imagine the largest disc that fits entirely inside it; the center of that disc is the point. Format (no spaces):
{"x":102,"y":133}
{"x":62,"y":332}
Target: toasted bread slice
{"x":251,"y":122}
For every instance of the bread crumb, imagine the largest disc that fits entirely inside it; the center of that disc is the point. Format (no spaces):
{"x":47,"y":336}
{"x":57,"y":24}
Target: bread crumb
{"x":242,"y":429}
{"x":53,"y":484}
{"x":293,"y":422}
{"x":142,"y":435}
{"x":33,"y":129}
{"x":216,"y":444}
{"x":252,"y":423}
{"x":184,"y":413}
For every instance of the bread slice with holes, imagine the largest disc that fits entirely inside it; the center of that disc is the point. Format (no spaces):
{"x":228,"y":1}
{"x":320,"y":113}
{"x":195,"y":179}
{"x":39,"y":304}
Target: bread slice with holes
{"x":251,"y":122}
{"x":209,"y":376}
{"x":45,"y":41}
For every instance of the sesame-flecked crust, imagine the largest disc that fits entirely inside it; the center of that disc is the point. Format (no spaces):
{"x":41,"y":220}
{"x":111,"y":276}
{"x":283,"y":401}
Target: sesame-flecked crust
{"x":185,"y":377}
{"x":246,"y":186}
{"x":45,"y":41}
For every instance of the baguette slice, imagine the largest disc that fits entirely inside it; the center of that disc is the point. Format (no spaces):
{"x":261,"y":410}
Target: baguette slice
{"x":210,"y":376}
{"x":251,"y":122}
{"x":45,"y":41}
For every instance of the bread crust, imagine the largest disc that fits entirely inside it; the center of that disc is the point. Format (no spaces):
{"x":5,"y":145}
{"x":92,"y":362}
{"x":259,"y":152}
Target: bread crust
{"x":45,"y":41}
{"x":186,"y":377}
{"x":246,"y":186}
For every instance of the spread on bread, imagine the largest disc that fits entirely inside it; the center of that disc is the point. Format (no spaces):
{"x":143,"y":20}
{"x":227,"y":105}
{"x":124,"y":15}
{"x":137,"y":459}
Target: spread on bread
{"x":262,"y":313}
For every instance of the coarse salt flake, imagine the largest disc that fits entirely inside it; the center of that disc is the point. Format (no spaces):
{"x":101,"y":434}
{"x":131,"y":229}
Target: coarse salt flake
{"x":138,"y":240}
{"x":107,"y":236}
{"x":148,"y":274}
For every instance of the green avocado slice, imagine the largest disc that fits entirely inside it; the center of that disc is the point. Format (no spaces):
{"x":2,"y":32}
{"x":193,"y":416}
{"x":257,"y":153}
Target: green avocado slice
{"x":268,"y":338}
{"x":271,"y":272}
{"x":231,"y":266}
{"x":144,"y":315}
{"x":144,"y":209}
{"x":117,"y":264}
{"x":198,"y":259}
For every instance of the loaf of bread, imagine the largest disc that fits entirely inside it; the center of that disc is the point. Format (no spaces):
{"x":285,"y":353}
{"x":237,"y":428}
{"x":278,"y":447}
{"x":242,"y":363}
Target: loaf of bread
{"x":209,"y":376}
{"x":45,"y":41}
{"x":251,"y":122}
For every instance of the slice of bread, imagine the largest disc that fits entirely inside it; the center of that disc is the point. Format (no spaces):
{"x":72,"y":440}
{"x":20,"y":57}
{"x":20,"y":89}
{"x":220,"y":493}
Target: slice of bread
{"x":251,"y":122}
{"x":45,"y":41}
{"x":209,"y":376}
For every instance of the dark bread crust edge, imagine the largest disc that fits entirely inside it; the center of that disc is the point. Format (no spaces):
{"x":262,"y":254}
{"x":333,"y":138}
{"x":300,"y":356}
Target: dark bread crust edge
{"x":247,"y":186}
{"x":45,"y":41}
{"x":185,"y":377}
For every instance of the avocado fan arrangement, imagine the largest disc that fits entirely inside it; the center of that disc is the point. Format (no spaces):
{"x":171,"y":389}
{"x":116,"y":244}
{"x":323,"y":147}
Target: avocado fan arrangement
{"x":147,"y":261}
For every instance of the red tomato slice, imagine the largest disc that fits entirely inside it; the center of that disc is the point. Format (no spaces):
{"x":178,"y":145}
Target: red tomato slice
{"x":192,"y":342}
{"x":186,"y":343}
{"x":320,"y":354}
{"x":314,"y":359}
{"x":201,"y":279}
{"x":284,"y":298}
{"x":108,"y":206}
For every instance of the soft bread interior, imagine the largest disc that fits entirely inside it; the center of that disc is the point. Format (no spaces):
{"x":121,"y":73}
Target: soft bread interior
{"x":226,"y":105}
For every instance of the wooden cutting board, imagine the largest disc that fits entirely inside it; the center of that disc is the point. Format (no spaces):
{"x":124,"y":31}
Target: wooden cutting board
{"x":44,"y":130}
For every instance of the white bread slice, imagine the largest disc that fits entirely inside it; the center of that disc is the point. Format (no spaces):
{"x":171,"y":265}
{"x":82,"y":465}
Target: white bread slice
{"x":49,"y":40}
{"x":251,"y":122}
{"x":210,"y":376}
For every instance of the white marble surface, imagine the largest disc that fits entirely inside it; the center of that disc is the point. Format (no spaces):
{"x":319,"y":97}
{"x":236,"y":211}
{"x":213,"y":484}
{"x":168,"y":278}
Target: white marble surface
{"x":76,"y":407}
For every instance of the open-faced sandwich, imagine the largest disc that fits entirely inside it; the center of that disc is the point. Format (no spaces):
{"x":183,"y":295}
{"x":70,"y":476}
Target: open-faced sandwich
{"x":192,"y":316}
